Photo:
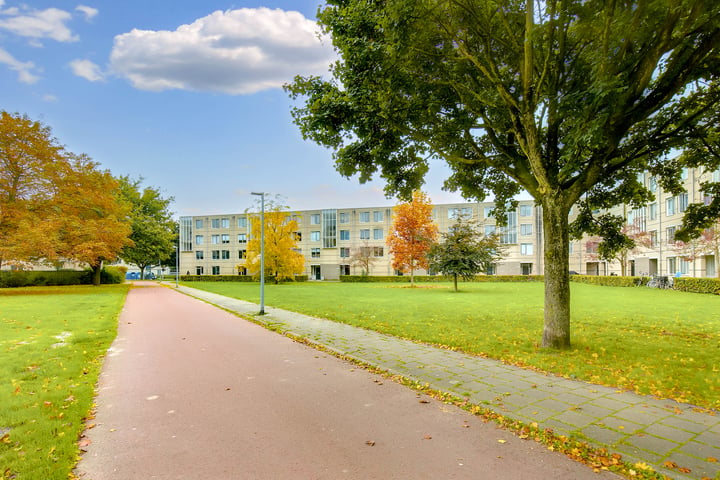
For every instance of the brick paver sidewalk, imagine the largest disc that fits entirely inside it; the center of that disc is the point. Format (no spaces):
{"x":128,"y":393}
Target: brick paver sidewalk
{"x":641,"y":428}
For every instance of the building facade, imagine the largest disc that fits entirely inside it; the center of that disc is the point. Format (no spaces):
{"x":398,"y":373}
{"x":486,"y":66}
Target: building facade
{"x":217,"y":244}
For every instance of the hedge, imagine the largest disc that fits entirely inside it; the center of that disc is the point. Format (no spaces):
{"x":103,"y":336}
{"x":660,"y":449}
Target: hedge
{"x":237,"y":278}
{"x":610,"y":281}
{"x":698,"y":285}
{"x":36,"y":278}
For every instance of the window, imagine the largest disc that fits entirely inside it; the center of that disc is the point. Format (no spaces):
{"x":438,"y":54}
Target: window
{"x":365,"y":234}
{"x":377,"y":251}
{"x":509,"y":233}
{"x":671,"y":265}
{"x":199,"y":270}
{"x":216,"y":254}
{"x":378,"y":216}
{"x":215,"y":223}
{"x":225,"y":255}
{"x":185,"y":232}
{"x":364,"y":217}
{"x":199,"y":255}
{"x":682,"y":202}
{"x":242,"y":254}
{"x":315,"y":219}
{"x":242,"y":222}
{"x":242,"y":237}
{"x":526,"y":229}
{"x":571,"y":247}
{"x":329,"y":228}
{"x":225,"y":238}
{"x":215,"y":270}
{"x":297,"y":236}
{"x":344,"y":234}
{"x":199,"y":239}
{"x":653,"y":238}
{"x":489,"y":230}
{"x":670,"y":206}
{"x":652,"y":211}
{"x":199,"y":223}
{"x":344,"y":252}
{"x":652,"y":184}
{"x":526,"y":249}
{"x":315,"y":252}
{"x":459,"y":212}
{"x":684,"y":174}
{"x":344,"y":217}
{"x":526,"y":210}
{"x":315,"y":236}
{"x":225,"y":222}
{"x":242,"y":270}
{"x":683,"y":266}
{"x":716,"y":175}
{"x":670,"y":234}
{"x":488,"y":212}
{"x":377,"y":234}
{"x":344,"y":269}
{"x":215,"y":239}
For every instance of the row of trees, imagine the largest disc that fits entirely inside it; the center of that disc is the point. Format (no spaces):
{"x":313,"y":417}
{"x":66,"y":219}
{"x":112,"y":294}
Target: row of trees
{"x":58,"y":206}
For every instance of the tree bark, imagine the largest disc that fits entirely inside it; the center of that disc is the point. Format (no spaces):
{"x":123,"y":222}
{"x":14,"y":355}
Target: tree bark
{"x":455,"y":281}
{"x":97,"y":269}
{"x":556,"y":333}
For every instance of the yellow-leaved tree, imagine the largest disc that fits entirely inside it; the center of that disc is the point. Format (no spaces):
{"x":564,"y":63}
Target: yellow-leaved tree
{"x":282,"y":258}
{"x":412,"y":234}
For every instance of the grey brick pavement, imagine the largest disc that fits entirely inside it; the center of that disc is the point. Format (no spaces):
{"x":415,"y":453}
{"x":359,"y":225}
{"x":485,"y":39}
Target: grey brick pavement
{"x":640,"y":428}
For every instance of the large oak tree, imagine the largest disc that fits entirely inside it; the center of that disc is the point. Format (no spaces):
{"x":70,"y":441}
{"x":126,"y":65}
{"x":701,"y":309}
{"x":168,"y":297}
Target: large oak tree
{"x":566,"y":99}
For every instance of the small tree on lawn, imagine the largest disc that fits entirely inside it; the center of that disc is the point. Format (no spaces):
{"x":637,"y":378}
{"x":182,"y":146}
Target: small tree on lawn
{"x":363,"y":257}
{"x":282,"y":260}
{"x":464,"y":252}
{"x":412,"y":234}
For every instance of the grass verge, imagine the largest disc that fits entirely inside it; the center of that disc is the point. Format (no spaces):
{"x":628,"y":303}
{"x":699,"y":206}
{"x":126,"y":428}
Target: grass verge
{"x":52,"y":342}
{"x":663,"y":343}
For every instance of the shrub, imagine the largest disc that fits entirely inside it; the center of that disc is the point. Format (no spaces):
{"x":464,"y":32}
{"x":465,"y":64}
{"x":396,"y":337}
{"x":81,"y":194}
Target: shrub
{"x":36,"y":278}
{"x":438,"y":278}
{"x":609,"y":281}
{"x":698,"y":285}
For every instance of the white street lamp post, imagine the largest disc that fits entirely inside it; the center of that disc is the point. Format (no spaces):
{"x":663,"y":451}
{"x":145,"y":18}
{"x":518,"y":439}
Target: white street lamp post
{"x":262,"y":251}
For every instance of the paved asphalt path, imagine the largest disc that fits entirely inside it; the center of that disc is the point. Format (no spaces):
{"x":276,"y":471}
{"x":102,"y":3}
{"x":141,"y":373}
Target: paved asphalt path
{"x":190,"y":391}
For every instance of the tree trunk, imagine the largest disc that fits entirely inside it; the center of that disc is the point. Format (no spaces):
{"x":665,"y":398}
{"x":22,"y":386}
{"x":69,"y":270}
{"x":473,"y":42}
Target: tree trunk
{"x":142,"y":272}
{"x":96,"y":269}
{"x":556,"y":333}
{"x":412,"y":277}
{"x":455,"y":281}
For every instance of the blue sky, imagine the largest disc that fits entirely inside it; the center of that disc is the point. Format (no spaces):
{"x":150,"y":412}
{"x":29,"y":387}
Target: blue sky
{"x":184,"y":93}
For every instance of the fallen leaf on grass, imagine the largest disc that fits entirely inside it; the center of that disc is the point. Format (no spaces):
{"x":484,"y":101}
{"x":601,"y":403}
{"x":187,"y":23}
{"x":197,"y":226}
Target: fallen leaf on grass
{"x":502,"y":441}
{"x":712,"y":459}
{"x":670,"y":464}
{"x":424,"y":401}
{"x":684,"y":470}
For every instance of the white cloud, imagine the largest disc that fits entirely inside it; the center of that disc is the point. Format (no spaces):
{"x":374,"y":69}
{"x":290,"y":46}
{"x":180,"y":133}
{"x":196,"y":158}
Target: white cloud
{"x":235,"y":52}
{"x":37,"y":24}
{"x":49,"y":98}
{"x":89,"y":12}
{"x":24,"y":69}
{"x":87,"y":70}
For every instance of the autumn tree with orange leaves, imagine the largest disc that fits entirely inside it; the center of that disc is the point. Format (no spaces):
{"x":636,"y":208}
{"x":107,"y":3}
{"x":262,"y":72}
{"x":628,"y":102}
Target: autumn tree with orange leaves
{"x":412,"y":234}
{"x":55,"y":205}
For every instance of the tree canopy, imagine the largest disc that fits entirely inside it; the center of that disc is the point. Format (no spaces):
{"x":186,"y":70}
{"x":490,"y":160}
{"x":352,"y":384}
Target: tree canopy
{"x":464,"y":252}
{"x":282,"y":258}
{"x":412,"y":234}
{"x":54,"y":204}
{"x":566,"y":99}
{"x":153,"y":228}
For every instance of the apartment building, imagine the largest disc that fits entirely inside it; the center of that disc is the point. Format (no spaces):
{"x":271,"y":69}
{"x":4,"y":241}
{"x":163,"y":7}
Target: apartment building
{"x":217,"y":244}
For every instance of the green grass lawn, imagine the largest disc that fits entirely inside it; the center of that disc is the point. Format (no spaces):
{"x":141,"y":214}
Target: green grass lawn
{"x":659,"y":342}
{"x":52,"y":342}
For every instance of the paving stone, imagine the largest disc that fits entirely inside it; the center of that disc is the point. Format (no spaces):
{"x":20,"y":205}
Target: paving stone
{"x":699,"y":467}
{"x":701,"y":450}
{"x":678,"y":421}
{"x":597,"y":411}
{"x":642,"y":414}
{"x":576,"y":419}
{"x":570,"y":398}
{"x":621,"y":425}
{"x":651,"y":443}
{"x":554,"y":405}
{"x":602,"y":436}
{"x":535,"y":413}
{"x":610,"y":403}
{"x":670,"y":433}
